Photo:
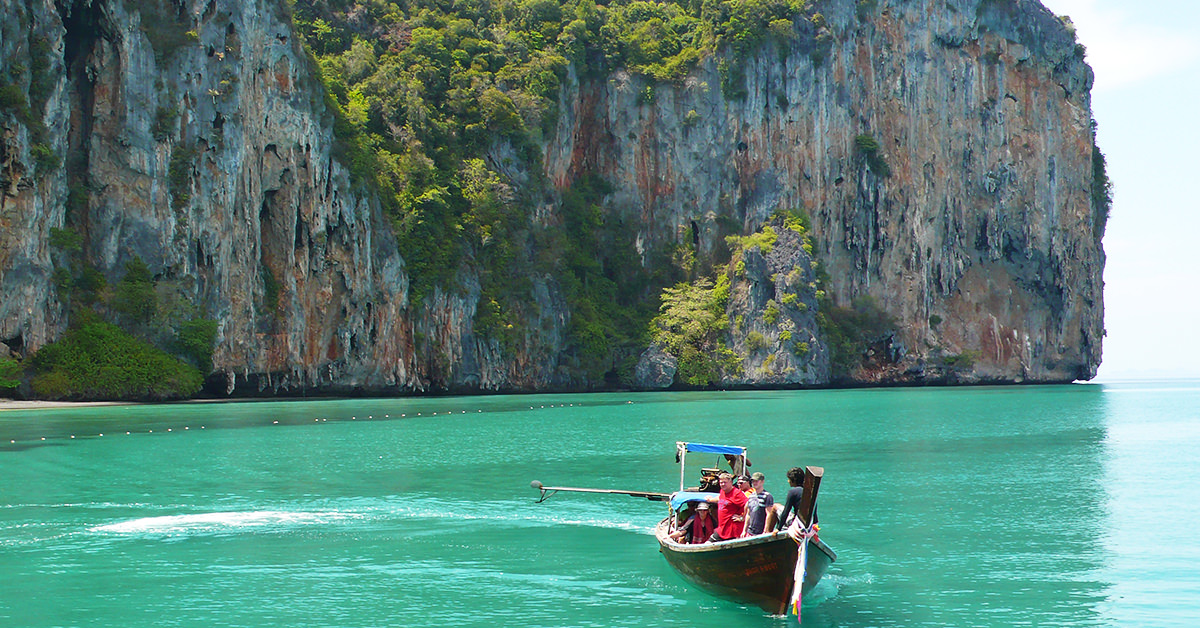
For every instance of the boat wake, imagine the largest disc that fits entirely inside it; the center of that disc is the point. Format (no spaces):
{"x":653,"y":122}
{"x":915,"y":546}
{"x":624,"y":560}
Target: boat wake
{"x":391,"y":511}
{"x":411,"y":513}
{"x":600,"y":522}
{"x":514,"y":514}
{"x":220,"y":523}
{"x":825,"y":590}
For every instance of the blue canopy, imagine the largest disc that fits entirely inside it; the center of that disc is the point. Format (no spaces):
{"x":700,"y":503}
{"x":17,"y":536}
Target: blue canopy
{"x":683,"y":497}
{"x":716,"y":449}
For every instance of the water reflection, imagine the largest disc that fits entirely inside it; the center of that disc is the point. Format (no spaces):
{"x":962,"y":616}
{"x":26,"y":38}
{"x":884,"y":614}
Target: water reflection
{"x":1151,"y":479}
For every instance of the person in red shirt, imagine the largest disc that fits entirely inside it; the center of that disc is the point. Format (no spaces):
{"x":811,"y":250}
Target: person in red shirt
{"x":731,"y":508}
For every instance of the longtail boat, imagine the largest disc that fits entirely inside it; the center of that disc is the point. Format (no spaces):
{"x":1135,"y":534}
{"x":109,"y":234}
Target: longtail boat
{"x":764,"y":570}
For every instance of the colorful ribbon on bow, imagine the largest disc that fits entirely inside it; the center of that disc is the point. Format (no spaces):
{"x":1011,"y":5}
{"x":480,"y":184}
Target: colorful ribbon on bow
{"x":800,"y":536}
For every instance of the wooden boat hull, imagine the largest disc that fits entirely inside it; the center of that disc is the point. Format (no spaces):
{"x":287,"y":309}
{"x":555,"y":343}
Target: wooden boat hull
{"x":756,"y":570}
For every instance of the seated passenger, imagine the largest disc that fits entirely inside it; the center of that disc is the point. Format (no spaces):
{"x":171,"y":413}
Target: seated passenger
{"x":679,"y":527}
{"x":697,"y":528}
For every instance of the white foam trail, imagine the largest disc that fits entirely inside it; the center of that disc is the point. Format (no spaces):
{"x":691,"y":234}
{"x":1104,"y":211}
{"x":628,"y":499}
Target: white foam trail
{"x":388,"y":510}
{"x":219,"y":522}
{"x":516,"y":514}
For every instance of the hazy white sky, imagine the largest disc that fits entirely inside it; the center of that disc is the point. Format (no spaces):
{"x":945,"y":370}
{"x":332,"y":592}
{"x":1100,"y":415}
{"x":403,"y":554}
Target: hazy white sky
{"x":1146,"y":56}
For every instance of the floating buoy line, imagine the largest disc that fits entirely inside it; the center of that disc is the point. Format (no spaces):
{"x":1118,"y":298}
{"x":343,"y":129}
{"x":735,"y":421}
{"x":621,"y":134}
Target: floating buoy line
{"x":315,"y":420}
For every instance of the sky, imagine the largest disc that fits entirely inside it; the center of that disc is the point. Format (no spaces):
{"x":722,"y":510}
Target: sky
{"x":1146,"y":101}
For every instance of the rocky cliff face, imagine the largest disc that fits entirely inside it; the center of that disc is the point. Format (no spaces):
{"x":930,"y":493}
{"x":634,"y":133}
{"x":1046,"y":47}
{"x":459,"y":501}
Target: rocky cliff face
{"x":968,"y":214}
{"x":943,"y":150}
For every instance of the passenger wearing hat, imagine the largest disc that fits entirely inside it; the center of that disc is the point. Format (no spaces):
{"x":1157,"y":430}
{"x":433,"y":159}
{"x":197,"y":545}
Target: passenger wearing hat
{"x":759,"y":506}
{"x":698,"y":527}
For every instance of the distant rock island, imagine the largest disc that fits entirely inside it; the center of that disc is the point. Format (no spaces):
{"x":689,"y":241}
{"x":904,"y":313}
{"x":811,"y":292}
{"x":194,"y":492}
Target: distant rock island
{"x":337,"y":198}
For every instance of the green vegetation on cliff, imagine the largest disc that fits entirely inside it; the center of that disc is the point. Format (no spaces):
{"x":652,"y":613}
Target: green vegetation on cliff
{"x":693,"y":323}
{"x":126,"y":341}
{"x":440,"y":108}
{"x":98,"y":360}
{"x":1101,"y":188}
{"x":849,"y":330}
{"x":868,"y":147}
{"x":608,"y":296}
{"x":10,"y":374}
{"x":690,"y":326}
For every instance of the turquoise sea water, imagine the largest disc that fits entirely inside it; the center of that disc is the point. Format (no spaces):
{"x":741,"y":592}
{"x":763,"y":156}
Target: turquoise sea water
{"x":1018,"y":506}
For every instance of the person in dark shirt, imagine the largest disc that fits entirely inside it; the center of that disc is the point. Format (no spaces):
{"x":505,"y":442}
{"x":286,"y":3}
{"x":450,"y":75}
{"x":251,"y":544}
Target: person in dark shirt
{"x":795,"y":477}
{"x":759,"y":504}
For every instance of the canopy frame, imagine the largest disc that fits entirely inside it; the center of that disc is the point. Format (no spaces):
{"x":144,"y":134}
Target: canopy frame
{"x":682,"y":448}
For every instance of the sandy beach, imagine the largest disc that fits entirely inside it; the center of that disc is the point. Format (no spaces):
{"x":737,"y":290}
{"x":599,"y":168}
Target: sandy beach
{"x":13,"y":404}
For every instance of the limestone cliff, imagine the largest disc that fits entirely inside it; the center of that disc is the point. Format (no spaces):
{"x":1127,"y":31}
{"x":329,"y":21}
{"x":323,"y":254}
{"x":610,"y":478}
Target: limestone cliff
{"x":943,"y":149}
{"x":979,"y":235}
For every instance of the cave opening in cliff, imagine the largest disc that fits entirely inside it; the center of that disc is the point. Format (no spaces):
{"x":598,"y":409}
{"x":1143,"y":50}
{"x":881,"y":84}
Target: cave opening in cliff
{"x":82,"y":22}
{"x":16,"y":344}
